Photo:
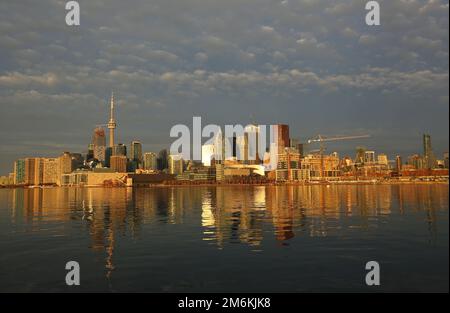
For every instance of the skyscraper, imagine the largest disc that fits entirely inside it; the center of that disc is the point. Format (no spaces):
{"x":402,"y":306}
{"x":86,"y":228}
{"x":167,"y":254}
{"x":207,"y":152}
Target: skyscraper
{"x":112,"y":122}
{"x":176,"y":164}
{"x":150,"y":161}
{"x":119,"y":149}
{"x":136,"y":153}
{"x":99,"y":143}
{"x":398,"y":164}
{"x":281,"y":136}
{"x":428,"y":151}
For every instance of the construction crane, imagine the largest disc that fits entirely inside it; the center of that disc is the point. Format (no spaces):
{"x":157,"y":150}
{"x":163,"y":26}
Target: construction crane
{"x":322,"y":139}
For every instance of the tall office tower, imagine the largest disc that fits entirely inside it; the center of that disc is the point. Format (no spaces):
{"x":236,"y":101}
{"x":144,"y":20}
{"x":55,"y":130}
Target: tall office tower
{"x":108,"y":154}
{"x":176,"y":164}
{"x":90,"y":153}
{"x":150,"y":161}
{"x":119,"y":149}
{"x":281,"y":136}
{"x":369,"y":157}
{"x":251,"y":142}
{"x":398,"y":164}
{"x":119,"y":163}
{"x":19,"y":172}
{"x":234,"y":147}
{"x":163,"y":160}
{"x":300,"y":150}
{"x":112,"y":122}
{"x":428,"y":151}
{"x":99,"y":142}
{"x":136,"y":153}
{"x":360,"y":153}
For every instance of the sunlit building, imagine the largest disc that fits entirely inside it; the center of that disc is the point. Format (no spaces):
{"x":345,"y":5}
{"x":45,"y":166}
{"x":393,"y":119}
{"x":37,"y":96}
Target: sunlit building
{"x":99,"y":144}
{"x":176,"y":164}
{"x":50,"y":171}
{"x":118,"y":163}
{"x":136,"y":153}
{"x":150,"y":161}
{"x":19,"y":172}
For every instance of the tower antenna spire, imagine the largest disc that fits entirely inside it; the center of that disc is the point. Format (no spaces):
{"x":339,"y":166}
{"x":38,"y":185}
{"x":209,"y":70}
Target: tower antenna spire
{"x":112,"y":122}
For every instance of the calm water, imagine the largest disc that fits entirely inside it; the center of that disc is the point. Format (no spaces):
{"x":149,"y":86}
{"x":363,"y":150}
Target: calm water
{"x":229,"y":239}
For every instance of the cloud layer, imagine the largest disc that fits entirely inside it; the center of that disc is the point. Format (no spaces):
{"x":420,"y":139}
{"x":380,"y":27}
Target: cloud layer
{"x":312,"y":64}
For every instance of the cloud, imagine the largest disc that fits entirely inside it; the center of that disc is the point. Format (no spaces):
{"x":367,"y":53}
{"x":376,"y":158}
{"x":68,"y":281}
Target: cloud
{"x":169,"y":59}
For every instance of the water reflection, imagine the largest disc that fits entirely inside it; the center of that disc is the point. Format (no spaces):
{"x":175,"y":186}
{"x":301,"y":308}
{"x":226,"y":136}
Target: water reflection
{"x":224,"y":215}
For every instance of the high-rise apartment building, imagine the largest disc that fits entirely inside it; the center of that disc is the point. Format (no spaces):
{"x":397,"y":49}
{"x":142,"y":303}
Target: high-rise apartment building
{"x":50,"y":171}
{"x":19,"y":172}
{"x":33,"y":171}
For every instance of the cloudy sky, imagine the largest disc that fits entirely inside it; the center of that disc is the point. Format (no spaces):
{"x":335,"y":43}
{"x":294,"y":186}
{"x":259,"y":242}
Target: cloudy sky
{"x":313,"y":64}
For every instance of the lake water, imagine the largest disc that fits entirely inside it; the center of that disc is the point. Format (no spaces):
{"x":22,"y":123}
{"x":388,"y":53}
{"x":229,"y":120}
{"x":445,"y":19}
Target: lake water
{"x":226,"y":239}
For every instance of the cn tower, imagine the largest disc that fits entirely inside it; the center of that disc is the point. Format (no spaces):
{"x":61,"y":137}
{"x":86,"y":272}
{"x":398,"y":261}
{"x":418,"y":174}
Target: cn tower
{"x":111,"y":123}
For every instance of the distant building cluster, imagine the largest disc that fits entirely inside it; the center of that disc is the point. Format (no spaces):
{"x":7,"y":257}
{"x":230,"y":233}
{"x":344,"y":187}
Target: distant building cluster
{"x":286,"y":160}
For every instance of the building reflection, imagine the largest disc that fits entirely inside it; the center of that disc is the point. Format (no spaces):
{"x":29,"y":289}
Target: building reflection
{"x":224,"y":215}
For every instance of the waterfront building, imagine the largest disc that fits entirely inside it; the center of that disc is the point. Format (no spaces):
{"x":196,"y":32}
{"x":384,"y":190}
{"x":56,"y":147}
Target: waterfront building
{"x":288,"y":166}
{"x":314,"y":163}
{"x":19,"y":172}
{"x":50,"y":171}
{"x":119,"y":163}
{"x":33,"y":171}
{"x":201,"y":173}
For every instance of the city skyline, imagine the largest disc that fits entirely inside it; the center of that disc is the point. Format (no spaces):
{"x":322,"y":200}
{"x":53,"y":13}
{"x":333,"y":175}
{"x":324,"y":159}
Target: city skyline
{"x":168,"y":61}
{"x":99,"y":138}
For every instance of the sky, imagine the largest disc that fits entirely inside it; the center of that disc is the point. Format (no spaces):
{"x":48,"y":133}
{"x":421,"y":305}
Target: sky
{"x":312,"y":64}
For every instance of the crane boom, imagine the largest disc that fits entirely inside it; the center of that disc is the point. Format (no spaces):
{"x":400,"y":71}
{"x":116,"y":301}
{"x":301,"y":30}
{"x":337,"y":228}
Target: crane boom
{"x":323,"y":138}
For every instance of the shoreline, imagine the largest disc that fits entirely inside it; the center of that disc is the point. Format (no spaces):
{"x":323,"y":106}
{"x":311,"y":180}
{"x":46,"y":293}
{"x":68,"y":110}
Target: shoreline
{"x":327,"y":184}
